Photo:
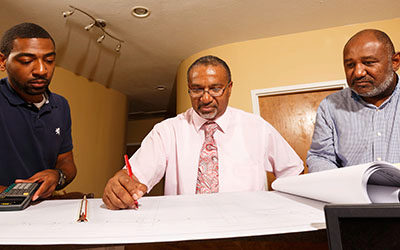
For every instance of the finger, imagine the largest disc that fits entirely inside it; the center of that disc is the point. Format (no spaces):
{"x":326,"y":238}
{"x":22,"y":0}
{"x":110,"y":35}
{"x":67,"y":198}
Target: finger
{"x":141,"y":189}
{"x":44,"y":191}
{"x":36,"y":195}
{"x":116,"y":201}
{"x":48,"y":192}
{"x":114,"y":194}
{"x":34,"y":178}
{"x":121,"y":197}
{"x":108,"y":203}
{"x":132,"y":185}
{"x":23,"y":181}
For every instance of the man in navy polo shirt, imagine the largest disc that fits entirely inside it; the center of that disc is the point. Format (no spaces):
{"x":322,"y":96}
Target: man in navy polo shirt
{"x":35,"y":124}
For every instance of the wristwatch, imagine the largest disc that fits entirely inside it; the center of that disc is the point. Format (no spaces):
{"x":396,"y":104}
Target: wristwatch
{"x":61,"y":180}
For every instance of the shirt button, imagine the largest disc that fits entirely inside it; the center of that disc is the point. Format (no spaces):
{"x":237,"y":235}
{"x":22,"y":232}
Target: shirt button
{"x":379,"y":134}
{"x":379,"y":159}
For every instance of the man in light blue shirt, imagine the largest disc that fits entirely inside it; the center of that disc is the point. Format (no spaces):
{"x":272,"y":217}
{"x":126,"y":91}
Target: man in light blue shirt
{"x":361,"y":124}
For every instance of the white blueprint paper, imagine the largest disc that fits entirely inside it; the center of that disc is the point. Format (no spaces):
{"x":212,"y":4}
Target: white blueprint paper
{"x":344,"y":185}
{"x":164,"y":218}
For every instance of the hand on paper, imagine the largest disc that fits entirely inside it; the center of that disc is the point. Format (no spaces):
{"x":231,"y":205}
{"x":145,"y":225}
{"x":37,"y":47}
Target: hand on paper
{"x":48,"y":179}
{"x":121,"y":191}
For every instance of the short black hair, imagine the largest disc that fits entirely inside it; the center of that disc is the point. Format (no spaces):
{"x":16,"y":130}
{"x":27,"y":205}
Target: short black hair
{"x":23,"y":30}
{"x":210,"y":60}
{"x":380,"y":36}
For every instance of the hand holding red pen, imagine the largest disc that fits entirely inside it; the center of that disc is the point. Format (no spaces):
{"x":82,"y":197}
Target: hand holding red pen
{"x":128,"y":166}
{"x":122,"y":190}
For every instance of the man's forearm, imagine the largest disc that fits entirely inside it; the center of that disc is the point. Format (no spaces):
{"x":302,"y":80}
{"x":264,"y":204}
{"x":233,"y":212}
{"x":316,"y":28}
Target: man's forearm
{"x":318,"y":163}
{"x":65,"y":162}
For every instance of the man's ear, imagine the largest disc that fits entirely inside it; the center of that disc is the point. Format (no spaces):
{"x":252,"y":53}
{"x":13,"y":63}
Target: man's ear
{"x":229,"y":88}
{"x":3,"y":60}
{"x":396,"y":61}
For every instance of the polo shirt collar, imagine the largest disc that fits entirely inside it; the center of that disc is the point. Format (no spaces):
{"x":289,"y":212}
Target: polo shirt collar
{"x":13,"y":97}
{"x":10,"y":93}
{"x":221,"y":121}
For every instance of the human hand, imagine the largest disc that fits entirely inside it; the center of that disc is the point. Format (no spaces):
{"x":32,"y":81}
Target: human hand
{"x":48,"y":179}
{"x":121,"y":191}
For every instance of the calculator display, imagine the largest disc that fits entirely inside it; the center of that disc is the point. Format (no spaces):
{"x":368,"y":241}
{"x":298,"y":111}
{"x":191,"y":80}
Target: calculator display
{"x":11,"y":201}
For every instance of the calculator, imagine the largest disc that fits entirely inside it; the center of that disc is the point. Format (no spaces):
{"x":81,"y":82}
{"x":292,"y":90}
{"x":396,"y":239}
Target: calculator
{"x":17,"y":196}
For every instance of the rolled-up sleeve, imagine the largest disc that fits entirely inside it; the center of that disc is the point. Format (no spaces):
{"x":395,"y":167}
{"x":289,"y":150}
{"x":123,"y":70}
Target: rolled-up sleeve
{"x":321,"y":155}
{"x":282,"y":160}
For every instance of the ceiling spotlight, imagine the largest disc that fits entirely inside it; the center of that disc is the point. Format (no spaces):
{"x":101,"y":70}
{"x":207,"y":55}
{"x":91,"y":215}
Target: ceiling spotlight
{"x":88,"y":27}
{"x":140,"y":11}
{"x":100,"y":39}
{"x":118,"y":47}
{"x":68,"y":13}
{"x":160,"y":87}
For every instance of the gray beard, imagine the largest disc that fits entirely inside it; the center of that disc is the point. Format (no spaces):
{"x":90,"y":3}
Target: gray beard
{"x":209,"y":116}
{"x":381,"y":88}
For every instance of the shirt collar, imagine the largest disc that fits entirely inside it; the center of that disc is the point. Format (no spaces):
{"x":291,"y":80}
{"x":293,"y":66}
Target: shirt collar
{"x":13,"y":97}
{"x":9,"y":93}
{"x":395,"y":92}
{"x":221,"y":121}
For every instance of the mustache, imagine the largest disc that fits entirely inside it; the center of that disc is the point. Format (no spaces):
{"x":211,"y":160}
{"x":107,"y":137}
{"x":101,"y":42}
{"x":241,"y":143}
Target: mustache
{"x":39,"y":78}
{"x":206,"y":105}
{"x":362,"y":79}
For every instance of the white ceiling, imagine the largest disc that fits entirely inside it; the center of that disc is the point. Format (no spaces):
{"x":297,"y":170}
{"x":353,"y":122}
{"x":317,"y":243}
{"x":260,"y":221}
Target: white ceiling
{"x":175,"y":29}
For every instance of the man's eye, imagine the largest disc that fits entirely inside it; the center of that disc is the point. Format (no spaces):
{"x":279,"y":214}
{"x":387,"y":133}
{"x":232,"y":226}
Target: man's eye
{"x":50,"y":59}
{"x":25,"y":61}
{"x":369,"y":62}
{"x":349,"y":65}
{"x":215,"y":90}
{"x":197,"y":90}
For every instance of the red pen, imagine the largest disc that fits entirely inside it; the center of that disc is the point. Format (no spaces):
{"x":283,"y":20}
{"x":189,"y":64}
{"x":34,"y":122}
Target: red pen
{"x":128,"y":166}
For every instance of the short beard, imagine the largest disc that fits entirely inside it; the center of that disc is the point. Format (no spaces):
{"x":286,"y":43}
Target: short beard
{"x":208,"y":116}
{"x":380,"y":89}
{"x":24,"y":88}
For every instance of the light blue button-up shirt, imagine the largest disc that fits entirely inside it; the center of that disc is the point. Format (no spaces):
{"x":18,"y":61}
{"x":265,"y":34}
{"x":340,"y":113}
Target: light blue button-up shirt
{"x":349,"y":131}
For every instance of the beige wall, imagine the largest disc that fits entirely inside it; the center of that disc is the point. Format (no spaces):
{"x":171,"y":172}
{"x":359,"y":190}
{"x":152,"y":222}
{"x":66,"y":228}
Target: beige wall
{"x":138,"y":129}
{"x":299,"y":58}
{"x":98,"y":129}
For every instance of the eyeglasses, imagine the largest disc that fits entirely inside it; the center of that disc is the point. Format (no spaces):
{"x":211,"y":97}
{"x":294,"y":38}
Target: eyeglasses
{"x":214,"y":92}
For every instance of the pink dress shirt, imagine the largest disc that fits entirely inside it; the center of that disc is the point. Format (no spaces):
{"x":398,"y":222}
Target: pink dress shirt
{"x":247,"y":147}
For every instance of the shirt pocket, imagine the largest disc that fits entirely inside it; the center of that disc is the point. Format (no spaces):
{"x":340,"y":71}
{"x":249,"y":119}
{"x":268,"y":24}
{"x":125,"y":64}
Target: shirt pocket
{"x":242,"y":172}
{"x":353,"y":145}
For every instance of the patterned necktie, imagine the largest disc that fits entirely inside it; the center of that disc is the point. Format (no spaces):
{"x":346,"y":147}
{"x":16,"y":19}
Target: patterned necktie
{"x":207,"y":176}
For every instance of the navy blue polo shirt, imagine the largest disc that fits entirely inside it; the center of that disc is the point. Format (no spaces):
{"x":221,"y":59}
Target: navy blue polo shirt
{"x":31,"y":138}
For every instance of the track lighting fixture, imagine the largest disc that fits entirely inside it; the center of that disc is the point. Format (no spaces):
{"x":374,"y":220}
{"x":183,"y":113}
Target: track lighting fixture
{"x":100,"y":39}
{"x":118,"y":47}
{"x":68,"y":13}
{"x":97,"y":22}
{"x":88,"y":27}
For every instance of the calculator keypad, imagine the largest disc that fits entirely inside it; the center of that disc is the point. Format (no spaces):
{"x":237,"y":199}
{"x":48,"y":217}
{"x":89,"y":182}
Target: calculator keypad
{"x":20,"y":189}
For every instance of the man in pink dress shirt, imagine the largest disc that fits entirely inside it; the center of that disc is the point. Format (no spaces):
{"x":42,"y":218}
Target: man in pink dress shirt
{"x":247,"y":145}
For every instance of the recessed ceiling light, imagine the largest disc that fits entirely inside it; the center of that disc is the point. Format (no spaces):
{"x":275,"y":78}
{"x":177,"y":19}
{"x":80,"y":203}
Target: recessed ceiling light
{"x":140,"y":11}
{"x":160,"y":87}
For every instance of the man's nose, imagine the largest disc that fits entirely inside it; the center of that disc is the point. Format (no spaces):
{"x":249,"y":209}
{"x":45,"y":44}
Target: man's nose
{"x":206,"y":97}
{"x":40,"y":68}
{"x":359,"y":70}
